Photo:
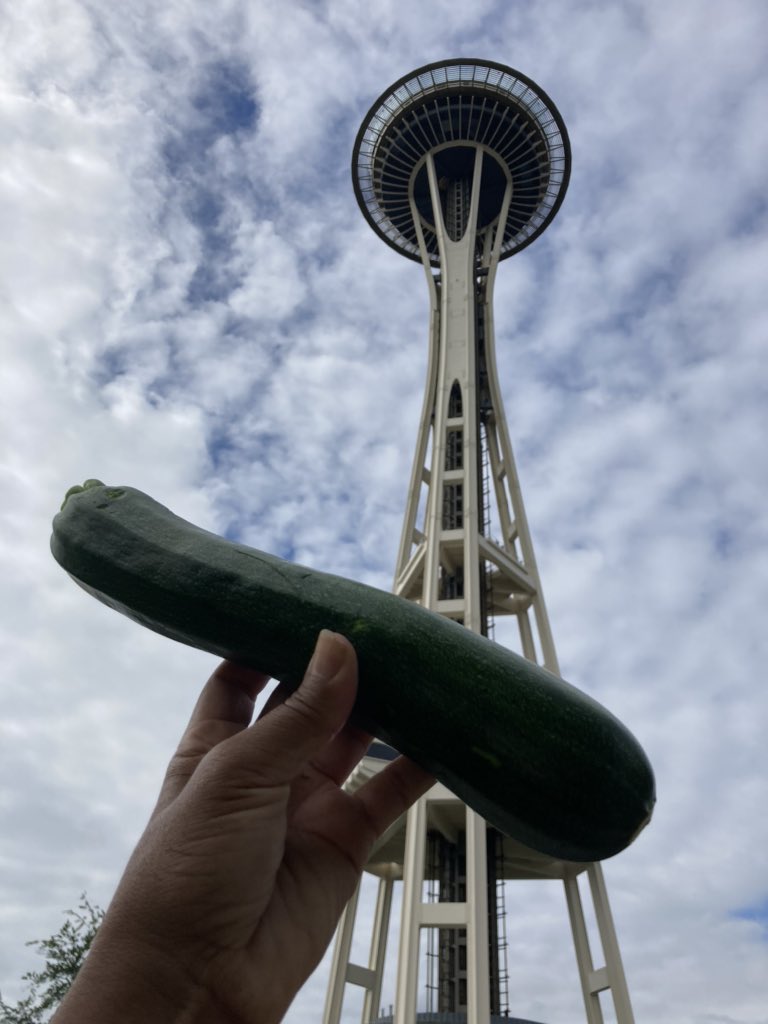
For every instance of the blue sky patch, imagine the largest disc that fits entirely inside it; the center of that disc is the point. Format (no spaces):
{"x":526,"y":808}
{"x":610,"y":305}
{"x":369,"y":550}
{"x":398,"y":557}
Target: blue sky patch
{"x":757,"y":912}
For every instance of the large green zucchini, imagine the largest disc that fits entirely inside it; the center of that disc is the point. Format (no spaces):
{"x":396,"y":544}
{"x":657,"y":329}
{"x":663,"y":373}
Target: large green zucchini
{"x":534,"y":756}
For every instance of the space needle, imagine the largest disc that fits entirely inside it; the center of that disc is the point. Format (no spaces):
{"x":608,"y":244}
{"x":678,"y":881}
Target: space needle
{"x":458,"y":166}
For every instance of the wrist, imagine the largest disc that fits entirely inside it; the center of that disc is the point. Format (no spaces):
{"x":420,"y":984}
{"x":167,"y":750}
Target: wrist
{"x":120,"y":983}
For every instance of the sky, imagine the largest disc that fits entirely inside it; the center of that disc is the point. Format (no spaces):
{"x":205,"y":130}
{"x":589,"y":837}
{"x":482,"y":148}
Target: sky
{"x":191,"y":303}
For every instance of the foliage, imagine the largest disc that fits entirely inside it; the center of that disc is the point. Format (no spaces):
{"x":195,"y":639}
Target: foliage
{"x":64,"y":954}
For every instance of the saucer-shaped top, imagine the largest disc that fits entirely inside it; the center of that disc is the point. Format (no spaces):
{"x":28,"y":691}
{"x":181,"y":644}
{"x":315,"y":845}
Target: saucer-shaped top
{"x":449,"y":108}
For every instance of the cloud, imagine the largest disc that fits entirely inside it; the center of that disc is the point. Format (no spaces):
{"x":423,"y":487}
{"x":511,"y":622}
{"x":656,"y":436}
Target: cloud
{"x":193,"y":304}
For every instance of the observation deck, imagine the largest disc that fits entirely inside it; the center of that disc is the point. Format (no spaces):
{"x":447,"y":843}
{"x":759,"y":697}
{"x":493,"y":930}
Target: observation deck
{"x":449,"y":109}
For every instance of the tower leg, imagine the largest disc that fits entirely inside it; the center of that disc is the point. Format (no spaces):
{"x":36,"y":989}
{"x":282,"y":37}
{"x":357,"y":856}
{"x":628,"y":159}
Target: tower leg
{"x":344,"y":972}
{"x":611,"y":976}
{"x":614,"y":967}
{"x":372,"y":1000}
{"x":478,"y":988}
{"x":335,"y":995}
{"x":410,"y":932}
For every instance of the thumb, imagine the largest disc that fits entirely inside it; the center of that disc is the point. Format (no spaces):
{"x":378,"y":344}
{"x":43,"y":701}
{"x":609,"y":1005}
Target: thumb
{"x":275,"y":749}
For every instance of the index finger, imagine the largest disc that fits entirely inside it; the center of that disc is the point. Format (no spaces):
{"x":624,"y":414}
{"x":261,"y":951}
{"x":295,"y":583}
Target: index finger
{"x":224,"y":708}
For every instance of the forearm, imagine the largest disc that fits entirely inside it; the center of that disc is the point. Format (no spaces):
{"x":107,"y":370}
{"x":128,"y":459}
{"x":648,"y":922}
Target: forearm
{"x":123,"y":985}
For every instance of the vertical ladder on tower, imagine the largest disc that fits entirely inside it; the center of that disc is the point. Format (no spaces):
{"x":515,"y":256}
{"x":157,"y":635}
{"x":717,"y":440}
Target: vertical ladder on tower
{"x":501,"y":986}
{"x":433,"y":953}
{"x":486,"y":569}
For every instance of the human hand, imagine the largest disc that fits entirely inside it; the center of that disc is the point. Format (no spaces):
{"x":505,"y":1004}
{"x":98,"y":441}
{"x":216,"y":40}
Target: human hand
{"x":234,"y":890}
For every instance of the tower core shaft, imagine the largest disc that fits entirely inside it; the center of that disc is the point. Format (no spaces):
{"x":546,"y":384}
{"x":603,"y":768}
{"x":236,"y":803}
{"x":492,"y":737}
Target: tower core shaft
{"x":464,"y":470}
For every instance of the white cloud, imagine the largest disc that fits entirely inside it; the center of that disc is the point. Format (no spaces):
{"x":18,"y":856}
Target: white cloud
{"x":272,"y":285}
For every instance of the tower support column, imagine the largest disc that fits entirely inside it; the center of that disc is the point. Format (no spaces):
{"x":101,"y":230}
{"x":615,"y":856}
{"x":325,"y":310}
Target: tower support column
{"x":372,"y":1000}
{"x":406,"y":989}
{"x":478,"y":960}
{"x":611,"y":976}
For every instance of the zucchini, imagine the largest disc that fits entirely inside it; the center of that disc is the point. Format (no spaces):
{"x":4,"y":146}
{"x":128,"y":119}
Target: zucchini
{"x":538,"y":759}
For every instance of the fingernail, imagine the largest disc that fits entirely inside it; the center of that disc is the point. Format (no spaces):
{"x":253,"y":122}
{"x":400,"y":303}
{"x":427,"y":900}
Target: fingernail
{"x":328,"y":657}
